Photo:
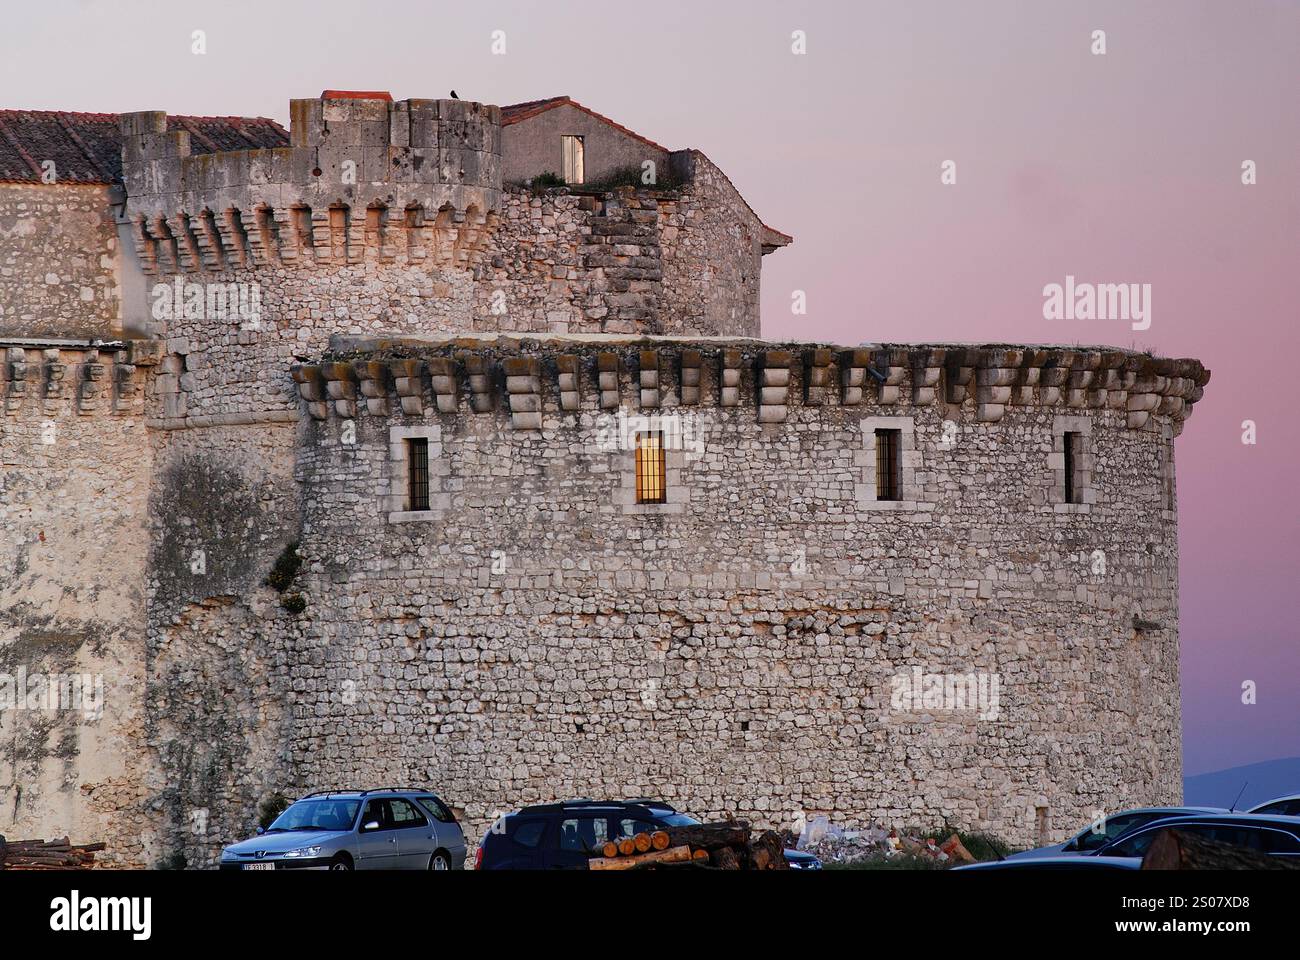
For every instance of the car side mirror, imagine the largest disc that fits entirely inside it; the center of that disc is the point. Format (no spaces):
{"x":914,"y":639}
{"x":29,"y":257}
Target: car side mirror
{"x":372,"y":825}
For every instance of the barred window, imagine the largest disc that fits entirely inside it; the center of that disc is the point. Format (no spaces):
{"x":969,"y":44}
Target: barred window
{"x":417,"y":460}
{"x":651,"y":486}
{"x":574,"y":159}
{"x":1073,"y":456}
{"x":889,"y":465}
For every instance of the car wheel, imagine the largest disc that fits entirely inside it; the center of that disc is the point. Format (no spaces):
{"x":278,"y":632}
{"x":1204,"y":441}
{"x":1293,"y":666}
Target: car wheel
{"x":440,"y":861}
{"x":341,"y":862}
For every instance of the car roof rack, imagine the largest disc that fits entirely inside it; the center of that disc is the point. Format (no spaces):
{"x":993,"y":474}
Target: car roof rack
{"x":587,"y":803}
{"x":363,"y":793}
{"x":652,"y":802}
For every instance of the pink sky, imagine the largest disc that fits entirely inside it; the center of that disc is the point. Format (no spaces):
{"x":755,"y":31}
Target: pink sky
{"x":1116,"y":168}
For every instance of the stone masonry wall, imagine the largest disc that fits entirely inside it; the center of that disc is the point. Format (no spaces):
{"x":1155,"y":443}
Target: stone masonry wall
{"x":713,"y":255}
{"x":74,"y":486}
{"x":58,"y":249}
{"x":218,"y":643}
{"x":539,"y":635}
{"x":549,"y":264}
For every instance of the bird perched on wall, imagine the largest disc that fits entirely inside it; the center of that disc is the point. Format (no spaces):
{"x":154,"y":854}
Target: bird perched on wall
{"x":453,"y":95}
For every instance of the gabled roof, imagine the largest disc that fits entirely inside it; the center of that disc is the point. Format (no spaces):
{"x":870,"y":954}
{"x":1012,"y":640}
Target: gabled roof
{"x":516,"y":112}
{"x":87,"y":147}
{"x":772,"y":239}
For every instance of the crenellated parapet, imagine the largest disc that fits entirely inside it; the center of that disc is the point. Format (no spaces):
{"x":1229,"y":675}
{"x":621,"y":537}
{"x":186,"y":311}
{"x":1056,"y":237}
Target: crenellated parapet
{"x":47,"y":378}
{"x":527,"y":377}
{"x":364,"y":178}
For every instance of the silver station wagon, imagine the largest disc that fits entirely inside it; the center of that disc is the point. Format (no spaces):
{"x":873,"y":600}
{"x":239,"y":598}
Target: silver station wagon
{"x":386,"y":829}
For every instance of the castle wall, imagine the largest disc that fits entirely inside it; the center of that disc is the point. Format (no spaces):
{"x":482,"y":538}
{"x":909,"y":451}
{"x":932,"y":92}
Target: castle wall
{"x":387,"y":217}
{"x":713,"y":255}
{"x":74,"y":482}
{"x":549,"y":264}
{"x":58,"y":250}
{"x":737,"y":653}
{"x":538,"y":634}
{"x":218,"y":644}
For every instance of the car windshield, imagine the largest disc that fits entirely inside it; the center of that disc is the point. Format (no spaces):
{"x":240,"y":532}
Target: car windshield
{"x":323,"y":814}
{"x":1115,"y":827}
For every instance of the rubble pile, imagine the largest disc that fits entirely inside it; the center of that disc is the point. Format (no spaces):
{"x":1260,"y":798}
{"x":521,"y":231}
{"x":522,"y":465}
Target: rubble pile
{"x":830,"y":843}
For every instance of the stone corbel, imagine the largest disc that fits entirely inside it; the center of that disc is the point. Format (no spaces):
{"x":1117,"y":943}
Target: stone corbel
{"x":524,"y":388}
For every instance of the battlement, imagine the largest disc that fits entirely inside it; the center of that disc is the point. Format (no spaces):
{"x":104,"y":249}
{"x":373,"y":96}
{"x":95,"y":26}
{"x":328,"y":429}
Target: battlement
{"x":48,"y":378}
{"x":528,"y":376}
{"x":355,"y":164}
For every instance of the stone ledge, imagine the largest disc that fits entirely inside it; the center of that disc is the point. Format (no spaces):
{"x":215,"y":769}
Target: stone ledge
{"x":1152,"y":392}
{"x":222,"y":420}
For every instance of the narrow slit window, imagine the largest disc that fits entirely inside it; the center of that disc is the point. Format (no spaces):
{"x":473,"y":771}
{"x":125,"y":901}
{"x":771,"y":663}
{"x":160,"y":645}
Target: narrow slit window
{"x":889,"y":465}
{"x":651,"y":486}
{"x":1073,"y":451}
{"x":574,"y":159}
{"x":417,"y":461}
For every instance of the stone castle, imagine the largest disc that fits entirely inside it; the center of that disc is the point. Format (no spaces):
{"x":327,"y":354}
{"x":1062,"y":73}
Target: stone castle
{"x":373,"y":453}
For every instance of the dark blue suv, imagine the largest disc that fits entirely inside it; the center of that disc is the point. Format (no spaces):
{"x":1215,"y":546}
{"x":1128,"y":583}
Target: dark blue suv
{"x":562,"y":835}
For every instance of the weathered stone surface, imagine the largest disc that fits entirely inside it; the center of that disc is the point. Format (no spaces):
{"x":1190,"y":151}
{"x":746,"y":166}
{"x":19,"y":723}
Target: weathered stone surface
{"x":537,"y":632}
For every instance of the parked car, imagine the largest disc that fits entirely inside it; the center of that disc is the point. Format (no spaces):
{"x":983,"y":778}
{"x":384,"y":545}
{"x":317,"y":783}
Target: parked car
{"x":1273,"y":835}
{"x":1057,"y":863}
{"x":1089,"y":840}
{"x":562,"y":835}
{"x":1285,"y":806}
{"x":385,"y":829}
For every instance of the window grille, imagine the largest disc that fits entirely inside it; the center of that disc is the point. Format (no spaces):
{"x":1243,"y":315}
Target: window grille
{"x":651,"y":485}
{"x":889,"y":464}
{"x":417,"y":460}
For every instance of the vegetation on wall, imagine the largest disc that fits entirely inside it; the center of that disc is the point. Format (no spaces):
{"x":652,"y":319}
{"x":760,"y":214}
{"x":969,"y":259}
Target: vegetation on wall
{"x":282,"y":576}
{"x":270,"y":808}
{"x":623,"y":177}
{"x":631,"y":176}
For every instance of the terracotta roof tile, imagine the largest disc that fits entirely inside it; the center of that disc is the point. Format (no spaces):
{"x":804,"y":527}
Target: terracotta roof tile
{"x":516,"y":112}
{"x":87,"y":147}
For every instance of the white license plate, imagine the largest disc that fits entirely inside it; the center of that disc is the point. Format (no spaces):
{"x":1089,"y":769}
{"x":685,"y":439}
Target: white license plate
{"x":259,"y":866}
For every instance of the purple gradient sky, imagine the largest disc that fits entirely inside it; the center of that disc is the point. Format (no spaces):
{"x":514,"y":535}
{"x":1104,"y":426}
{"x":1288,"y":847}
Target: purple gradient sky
{"x":1122,"y":168}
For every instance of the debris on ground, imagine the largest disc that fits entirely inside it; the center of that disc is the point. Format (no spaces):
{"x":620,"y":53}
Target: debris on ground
{"x":830,"y":844}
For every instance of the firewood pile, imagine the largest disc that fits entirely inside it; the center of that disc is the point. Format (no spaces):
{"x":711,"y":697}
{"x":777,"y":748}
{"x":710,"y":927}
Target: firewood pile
{"x":703,"y":846}
{"x":47,"y":854}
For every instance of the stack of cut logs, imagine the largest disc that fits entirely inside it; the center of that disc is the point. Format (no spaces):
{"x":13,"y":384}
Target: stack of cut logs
{"x":47,"y":854}
{"x":703,"y":846}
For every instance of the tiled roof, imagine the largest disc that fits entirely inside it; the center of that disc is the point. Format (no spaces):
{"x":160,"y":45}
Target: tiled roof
{"x":516,"y":112}
{"x":87,"y":147}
